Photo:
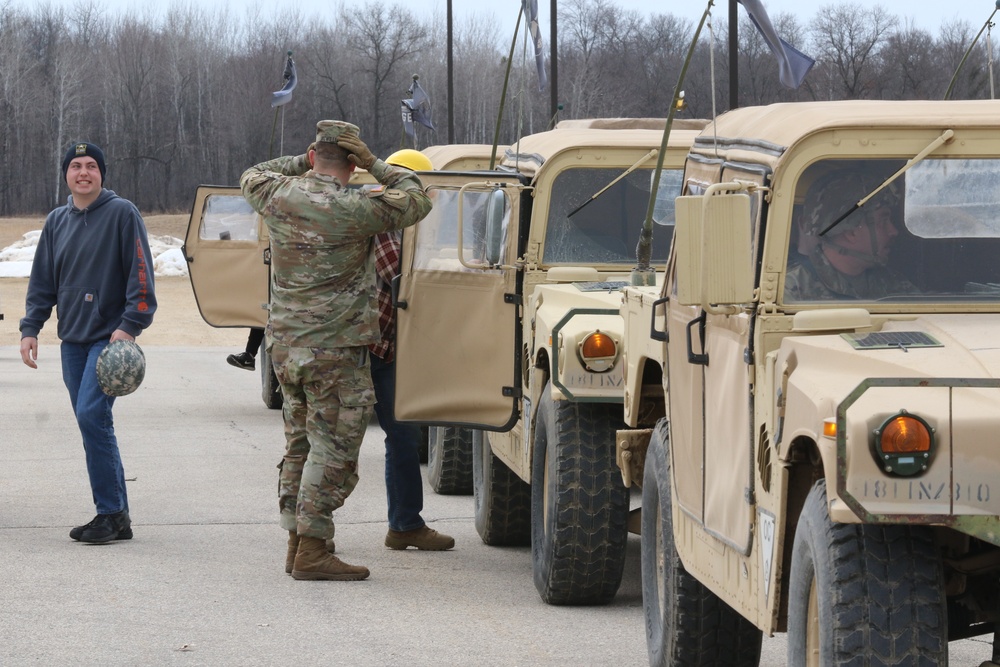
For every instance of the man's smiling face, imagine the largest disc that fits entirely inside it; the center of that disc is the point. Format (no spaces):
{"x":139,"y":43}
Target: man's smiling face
{"x":83,"y":177}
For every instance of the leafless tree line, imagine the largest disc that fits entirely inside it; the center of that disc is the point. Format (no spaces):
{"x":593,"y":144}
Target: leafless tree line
{"x":183,"y":98}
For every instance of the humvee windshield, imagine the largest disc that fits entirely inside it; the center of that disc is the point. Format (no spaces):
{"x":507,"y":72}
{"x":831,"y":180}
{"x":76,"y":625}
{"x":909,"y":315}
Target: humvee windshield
{"x":606,"y":230}
{"x":932,"y":235}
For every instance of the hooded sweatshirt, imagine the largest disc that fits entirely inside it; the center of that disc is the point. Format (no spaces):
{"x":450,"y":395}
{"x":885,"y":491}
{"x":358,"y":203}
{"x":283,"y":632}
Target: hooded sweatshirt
{"x":94,"y":265}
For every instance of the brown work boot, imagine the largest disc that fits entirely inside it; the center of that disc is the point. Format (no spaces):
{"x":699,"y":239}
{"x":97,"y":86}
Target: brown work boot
{"x":424,"y":538}
{"x":313,"y":561}
{"x":293,"y":547}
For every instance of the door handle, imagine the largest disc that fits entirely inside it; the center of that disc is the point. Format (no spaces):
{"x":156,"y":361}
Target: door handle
{"x":698,"y":359}
{"x":394,"y":291}
{"x":655,"y":333}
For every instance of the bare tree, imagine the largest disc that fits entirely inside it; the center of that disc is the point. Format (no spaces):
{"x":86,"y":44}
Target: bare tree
{"x":384,"y":39}
{"x":907,"y":65}
{"x":185,"y":99}
{"x":848,"y":39}
{"x":971,"y":78}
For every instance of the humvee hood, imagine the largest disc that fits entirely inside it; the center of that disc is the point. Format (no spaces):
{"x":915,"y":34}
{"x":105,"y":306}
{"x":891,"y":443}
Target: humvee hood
{"x":963,"y":348}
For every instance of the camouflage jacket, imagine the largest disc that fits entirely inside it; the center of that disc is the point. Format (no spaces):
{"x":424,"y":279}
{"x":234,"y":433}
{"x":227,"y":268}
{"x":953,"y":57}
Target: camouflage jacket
{"x":815,"y":279}
{"x":322,"y":272}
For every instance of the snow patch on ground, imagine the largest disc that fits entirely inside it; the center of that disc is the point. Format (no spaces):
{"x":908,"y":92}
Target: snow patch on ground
{"x":168,"y":260}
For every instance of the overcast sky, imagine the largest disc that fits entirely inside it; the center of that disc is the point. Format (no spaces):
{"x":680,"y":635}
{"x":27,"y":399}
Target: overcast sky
{"x":926,"y":14}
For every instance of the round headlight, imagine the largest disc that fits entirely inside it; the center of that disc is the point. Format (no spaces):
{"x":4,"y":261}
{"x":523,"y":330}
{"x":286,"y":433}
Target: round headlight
{"x":904,"y":444}
{"x":598,"y":352}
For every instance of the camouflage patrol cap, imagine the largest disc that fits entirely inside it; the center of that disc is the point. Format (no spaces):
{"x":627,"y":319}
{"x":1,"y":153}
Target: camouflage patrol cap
{"x":833,"y":194}
{"x":331,"y":131}
{"x":121,"y":367}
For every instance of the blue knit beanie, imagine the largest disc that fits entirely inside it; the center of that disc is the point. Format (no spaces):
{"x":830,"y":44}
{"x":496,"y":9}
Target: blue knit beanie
{"x":85,"y":149}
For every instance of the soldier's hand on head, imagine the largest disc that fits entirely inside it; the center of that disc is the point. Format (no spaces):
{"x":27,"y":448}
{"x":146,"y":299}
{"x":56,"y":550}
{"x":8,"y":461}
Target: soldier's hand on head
{"x":358,"y":151}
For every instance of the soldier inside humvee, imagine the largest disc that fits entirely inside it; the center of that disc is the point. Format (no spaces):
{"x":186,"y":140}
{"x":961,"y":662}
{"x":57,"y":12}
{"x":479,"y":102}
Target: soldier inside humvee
{"x":848,"y":260}
{"x":931,"y":236}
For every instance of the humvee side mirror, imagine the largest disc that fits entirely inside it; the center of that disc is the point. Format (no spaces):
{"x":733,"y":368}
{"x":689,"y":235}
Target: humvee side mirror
{"x":495,"y":209}
{"x":714,"y":249}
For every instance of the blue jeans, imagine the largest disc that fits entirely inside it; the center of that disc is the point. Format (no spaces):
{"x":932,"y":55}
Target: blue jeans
{"x":93,"y":415}
{"x":403,"y":486}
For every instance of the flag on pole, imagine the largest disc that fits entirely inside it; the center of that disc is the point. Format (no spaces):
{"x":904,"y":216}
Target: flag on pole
{"x":530,"y":8}
{"x":284,"y":96}
{"x":793,"y":65}
{"x":419,"y":104}
{"x":406,"y":108}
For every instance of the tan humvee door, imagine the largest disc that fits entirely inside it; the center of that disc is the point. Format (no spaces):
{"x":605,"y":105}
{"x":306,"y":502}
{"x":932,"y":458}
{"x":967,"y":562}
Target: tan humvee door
{"x":224,"y":248}
{"x":457,"y":308}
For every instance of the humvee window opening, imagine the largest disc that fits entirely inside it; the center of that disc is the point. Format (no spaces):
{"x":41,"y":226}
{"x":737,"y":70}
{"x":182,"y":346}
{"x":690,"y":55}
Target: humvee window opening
{"x":945,"y":218}
{"x":437,"y":234}
{"x":228,"y":218}
{"x":606,"y":230}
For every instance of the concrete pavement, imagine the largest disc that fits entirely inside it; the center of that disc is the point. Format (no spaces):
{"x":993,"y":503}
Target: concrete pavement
{"x":203,"y":582}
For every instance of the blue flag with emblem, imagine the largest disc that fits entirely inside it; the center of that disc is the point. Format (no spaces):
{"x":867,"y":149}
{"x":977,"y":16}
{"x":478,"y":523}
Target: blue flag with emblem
{"x":793,"y":65}
{"x":530,"y":8}
{"x":419,"y":104}
{"x":406,"y":109}
{"x":284,"y":96}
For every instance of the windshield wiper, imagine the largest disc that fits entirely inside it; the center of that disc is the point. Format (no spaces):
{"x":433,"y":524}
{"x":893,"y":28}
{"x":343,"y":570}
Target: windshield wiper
{"x":945,"y":137}
{"x":625,"y":173}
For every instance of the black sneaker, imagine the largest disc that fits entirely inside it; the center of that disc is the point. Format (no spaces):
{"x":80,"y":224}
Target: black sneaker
{"x":104,"y":528}
{"x":242,"y":360}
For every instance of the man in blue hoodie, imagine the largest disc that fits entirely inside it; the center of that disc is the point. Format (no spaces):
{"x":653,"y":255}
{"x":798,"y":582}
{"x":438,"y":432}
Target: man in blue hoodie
{"x":93,"y":264}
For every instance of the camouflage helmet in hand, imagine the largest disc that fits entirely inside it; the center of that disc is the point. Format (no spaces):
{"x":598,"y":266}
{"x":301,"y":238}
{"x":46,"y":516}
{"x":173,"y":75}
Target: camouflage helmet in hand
{"x":121,"y":368}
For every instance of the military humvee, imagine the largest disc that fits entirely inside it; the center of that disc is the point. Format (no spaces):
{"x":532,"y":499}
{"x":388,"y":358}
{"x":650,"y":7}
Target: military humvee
{"x":822,"y":443}
{"x":509,"y":325}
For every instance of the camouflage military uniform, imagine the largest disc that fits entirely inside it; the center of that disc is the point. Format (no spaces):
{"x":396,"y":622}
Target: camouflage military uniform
{"x":815,"y":279}
{"x":323,"y":315}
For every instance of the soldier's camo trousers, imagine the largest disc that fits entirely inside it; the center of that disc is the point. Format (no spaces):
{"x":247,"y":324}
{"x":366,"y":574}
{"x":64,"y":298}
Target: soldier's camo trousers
{"x":328,"y":401}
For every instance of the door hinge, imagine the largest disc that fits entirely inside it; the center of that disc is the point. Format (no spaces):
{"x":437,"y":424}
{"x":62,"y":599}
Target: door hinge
{"x":512,"y":298}
{"x":511,"y":392}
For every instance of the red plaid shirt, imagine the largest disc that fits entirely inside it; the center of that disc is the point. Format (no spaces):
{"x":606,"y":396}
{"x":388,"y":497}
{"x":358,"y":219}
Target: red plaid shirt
{"x":386,"y":247}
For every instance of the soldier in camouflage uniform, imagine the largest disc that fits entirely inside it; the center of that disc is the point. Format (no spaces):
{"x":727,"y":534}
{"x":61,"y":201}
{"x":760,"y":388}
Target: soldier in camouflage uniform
{"x":323,"y":317}
{"x":849,"y":261}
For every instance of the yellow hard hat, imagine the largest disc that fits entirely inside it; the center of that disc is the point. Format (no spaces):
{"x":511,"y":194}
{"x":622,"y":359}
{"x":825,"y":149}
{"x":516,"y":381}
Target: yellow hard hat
{"x":410,"y":159}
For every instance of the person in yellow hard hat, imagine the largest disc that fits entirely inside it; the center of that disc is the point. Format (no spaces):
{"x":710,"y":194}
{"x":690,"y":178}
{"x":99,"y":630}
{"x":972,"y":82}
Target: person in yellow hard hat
{"x":403,"y":485}
{"x":411,"y":159}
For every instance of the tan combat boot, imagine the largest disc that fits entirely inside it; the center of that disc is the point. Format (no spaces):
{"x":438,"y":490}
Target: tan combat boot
{"x":424,"y":538}
{"x":293,"y":547}
{"x":313,"y":561}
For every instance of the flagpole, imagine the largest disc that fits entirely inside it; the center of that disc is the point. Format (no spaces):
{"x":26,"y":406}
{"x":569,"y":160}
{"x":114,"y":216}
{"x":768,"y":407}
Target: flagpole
{"x":286,"y":76}
{"x":734,"y":56}
{"x":642,"y":274}
{"x":553,"y":65}
{"x":274,"y":125}
{"x":451,"y":86}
